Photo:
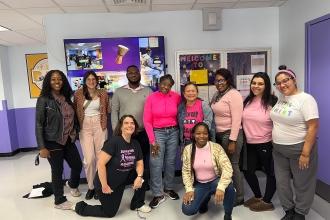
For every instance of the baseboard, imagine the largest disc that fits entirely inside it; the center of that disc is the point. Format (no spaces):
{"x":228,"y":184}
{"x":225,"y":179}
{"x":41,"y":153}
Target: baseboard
{"x":28,"y":149}
{"x":321,"y":207}
{"x":323,"y":190}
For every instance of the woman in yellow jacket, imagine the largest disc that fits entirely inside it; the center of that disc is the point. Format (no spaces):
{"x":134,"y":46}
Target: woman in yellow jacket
{"x":206,"y":170}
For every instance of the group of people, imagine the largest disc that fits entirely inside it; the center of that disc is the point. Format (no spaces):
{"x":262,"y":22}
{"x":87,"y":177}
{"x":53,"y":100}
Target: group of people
{"x":216,"y":141}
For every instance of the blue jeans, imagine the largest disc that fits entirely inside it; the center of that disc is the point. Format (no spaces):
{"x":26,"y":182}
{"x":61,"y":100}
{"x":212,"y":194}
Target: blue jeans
{"x":203,"y":193}
{"x":168,"y":141}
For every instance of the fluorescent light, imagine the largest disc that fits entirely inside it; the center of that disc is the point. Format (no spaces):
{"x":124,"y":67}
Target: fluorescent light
{"x":2,"y":28}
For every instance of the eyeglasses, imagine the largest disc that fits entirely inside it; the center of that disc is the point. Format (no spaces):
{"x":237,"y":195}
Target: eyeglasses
{"x":283,"y":81}
{"x":220,"y":81}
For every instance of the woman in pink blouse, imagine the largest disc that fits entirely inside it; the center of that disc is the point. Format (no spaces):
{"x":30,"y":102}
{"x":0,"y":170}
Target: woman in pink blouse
{"x":227,"y":105}
{"x":160,"y":122}
{"x":258,"y":126}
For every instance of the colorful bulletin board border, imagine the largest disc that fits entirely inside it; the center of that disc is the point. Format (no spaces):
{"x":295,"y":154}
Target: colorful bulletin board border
{"x":36,"y":67}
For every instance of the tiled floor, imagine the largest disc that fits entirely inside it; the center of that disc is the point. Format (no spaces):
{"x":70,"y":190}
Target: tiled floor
{"x":18,"y":174}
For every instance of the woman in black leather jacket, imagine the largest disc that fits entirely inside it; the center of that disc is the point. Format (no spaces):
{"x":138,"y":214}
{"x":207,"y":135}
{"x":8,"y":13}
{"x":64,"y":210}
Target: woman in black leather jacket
{"x":56,"y":132}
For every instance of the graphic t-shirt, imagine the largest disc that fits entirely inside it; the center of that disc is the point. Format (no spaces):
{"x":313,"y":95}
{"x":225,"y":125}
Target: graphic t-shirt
{"x":123,"y":160}
{"x":193,"y":115}
{"x":289,"y":117}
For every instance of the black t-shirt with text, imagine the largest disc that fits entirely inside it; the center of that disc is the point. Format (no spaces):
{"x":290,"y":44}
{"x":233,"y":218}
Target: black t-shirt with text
{"x":123,"y":160}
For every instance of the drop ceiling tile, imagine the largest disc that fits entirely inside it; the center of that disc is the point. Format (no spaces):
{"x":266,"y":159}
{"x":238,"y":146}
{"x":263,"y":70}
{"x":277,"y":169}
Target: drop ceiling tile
{"x":171,"y":7}
{"x":129,"y":9}
{"x":214,"y":1}
{"x":254,"y":4}
{"x":16,"y":38}
{"x":29,"y":3}
{"x":15,"y":21}
{"x":174,"y":2}
{"x":37,"y":14}
{"x":77,"y":3}
{"x":215,"y":5}
{"x":91,"y":9}
{"x":38,"y":34}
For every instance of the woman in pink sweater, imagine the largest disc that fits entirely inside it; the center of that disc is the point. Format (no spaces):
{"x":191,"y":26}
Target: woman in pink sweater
{"x":227,"y":105}
{"x":258,"y":126}
{"x":160,"y":122}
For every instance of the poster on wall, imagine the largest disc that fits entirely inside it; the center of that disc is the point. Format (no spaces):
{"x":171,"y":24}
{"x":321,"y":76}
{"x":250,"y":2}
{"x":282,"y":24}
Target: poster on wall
{"x":200,"y":68}
{"x":110,"y":57}
{"x":37,"y":67}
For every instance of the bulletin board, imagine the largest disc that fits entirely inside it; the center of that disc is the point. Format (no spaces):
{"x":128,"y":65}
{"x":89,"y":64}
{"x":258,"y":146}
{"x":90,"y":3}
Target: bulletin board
{"x":200,"y":67}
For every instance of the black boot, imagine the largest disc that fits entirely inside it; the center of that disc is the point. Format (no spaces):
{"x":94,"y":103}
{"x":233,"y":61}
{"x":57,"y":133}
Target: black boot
{"x":90,"y":193}
{"x":227,"y":217}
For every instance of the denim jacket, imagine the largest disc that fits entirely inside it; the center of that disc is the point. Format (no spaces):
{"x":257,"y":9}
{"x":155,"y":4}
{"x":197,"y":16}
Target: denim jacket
{"x":208,"y":119}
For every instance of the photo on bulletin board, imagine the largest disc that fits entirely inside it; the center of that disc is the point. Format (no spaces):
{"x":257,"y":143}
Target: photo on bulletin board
{"x":37,"y":68}
{"x":198,"y":67}
{"x":110,"y":57}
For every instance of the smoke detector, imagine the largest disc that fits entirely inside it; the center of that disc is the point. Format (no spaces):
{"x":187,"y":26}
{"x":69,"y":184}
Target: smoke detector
{"x":129,"y":2}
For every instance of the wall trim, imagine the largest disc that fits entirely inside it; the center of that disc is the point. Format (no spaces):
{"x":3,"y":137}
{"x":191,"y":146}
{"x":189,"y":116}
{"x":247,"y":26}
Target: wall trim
{"x":10,"y":154}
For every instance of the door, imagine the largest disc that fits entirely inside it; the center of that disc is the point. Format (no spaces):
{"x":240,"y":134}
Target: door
{"x":318,"y":85}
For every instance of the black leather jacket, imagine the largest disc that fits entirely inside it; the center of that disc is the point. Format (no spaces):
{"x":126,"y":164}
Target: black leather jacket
{"x":49,"y":121}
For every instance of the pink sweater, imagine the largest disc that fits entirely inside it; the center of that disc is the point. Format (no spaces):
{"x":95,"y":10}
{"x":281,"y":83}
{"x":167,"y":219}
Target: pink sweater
{"x":257,"y":124}
{"x":160,"y":110}
{"x":203,"y":166}
{"x":228,"y":113}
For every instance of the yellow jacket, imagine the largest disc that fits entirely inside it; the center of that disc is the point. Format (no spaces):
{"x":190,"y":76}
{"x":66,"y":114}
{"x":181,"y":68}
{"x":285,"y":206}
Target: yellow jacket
{"x":220,"y":161}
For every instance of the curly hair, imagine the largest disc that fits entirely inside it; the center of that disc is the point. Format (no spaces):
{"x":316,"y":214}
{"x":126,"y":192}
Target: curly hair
{"x":167,"y":77}
{"x":66,"y":90}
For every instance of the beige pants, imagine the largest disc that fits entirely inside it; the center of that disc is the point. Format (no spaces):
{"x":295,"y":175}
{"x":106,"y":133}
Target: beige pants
{"x":92,"y":138}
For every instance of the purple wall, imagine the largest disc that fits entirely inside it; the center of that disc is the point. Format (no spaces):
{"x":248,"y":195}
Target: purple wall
{"x":317,"y":84}
{"x":5,"y":142}
{"x":16,"y":128}
{"x":25,"y":127}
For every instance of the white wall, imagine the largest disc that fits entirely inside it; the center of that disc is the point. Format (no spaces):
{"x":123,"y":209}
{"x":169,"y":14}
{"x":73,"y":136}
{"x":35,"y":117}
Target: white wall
{"x":18,"y":75}
{"x":292,"y":18}
{"x":241,"y":28}
{"x":2,"y":92}
{"x":6,"y":76}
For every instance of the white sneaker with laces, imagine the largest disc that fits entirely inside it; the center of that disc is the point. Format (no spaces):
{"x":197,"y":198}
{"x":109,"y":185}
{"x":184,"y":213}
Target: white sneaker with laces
{"x":64,"y":206}
{"x":74,"y":191}
{"x":144,"y":209}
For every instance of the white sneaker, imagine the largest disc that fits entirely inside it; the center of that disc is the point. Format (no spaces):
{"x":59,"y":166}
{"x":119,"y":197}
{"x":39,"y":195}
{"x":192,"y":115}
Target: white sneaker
{"x":65,"y":205}
{"x":74,"y":191}
{"x":144,"y":209}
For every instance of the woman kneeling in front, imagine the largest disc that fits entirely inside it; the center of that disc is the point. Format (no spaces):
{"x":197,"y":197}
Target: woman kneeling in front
{"x":206,"y":170}
{"x":120,"y":164}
